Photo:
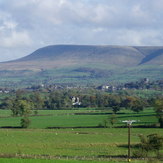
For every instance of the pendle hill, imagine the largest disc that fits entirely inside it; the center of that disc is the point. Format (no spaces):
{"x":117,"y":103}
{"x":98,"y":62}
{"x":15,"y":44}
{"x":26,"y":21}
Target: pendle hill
{"x":84,"y":64}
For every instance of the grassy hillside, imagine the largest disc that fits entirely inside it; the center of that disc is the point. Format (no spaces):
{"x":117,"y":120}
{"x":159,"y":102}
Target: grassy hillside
{"x":93,"y":74}
{"x":83,"y":64}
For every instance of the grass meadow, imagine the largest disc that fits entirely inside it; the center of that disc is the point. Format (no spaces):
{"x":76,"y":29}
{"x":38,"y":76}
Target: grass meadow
{"x":11,"y":160}
{"x":59,"y":135}
{"x":77,"y":118}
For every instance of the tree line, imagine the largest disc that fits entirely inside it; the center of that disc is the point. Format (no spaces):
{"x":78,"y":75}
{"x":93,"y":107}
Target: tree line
{"x":63,"y":100}
{"x":22,"y":104}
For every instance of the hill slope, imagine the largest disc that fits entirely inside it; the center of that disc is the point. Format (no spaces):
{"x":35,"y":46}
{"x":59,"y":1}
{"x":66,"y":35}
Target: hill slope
{"x":85,"y":62}
{"x":66,"y":55}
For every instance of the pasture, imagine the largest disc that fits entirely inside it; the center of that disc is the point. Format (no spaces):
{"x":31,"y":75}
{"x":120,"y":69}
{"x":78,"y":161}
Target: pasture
{"x":59,"y":161}
{"x":77,"y":118}
{"x":72,"y":135}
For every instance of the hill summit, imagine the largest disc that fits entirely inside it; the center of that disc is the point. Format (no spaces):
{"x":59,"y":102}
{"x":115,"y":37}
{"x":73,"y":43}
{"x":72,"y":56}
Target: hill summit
{"x":83,"y":64}
{"x":55,"y":56}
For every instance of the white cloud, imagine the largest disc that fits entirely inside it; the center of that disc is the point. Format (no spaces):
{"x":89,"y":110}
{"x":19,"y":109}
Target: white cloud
{"x":11,"y":35}
{"x":36,"y":23}
{"x":15,"y":39}
{"x":144,"y":37}
{"x":10,"y":25}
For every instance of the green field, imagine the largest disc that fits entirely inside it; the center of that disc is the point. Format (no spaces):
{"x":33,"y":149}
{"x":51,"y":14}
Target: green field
{"x":78,"y":118}
{"x":77,"y":136}
{"x":61,"y":161}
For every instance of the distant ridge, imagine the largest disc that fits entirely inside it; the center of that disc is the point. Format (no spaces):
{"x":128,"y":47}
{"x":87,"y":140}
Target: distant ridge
{"x":83,"y":65}
{"x":68,"y":55}
{"x":156,"y":55}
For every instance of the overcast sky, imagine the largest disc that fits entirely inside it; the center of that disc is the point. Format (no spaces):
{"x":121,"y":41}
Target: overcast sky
{"x":26,"y":25}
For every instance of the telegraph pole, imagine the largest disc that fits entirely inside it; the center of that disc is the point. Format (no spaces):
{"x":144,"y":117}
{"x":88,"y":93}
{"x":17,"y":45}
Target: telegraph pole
{"x":129,"y":146}
{"x":129,"y":122}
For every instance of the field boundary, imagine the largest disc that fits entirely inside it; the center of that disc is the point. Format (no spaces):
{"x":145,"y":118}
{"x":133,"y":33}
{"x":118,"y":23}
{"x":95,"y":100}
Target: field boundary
{"x":79,"y":158}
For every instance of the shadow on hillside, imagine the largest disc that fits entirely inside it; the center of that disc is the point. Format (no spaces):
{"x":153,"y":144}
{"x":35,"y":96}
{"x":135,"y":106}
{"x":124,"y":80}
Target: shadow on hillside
{"x":78,"y":127}
{"x":131,"y":145}
{"x":112,"y":156}
{"x":55,"y":127}
{"x":137,"y":116}
{"x":10,"y":127}
{"x":139,"y":126}
{"x":101,"y":126}
{"x":96,"y":113}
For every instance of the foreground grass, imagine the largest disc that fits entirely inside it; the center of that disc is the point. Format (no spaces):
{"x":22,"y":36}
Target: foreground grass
{"x":77,"y":118}
{"x":93,"y":142}
{"x":83,"y":143}
{"x":13,"y":160}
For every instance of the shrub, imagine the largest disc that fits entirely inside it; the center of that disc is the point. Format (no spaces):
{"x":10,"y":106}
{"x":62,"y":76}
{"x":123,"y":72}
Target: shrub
{"x":25,"y":122}
{"x":151,"y":143}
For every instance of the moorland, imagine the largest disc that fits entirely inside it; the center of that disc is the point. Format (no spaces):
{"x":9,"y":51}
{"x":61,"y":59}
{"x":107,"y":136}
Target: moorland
{"x":83,"y":65}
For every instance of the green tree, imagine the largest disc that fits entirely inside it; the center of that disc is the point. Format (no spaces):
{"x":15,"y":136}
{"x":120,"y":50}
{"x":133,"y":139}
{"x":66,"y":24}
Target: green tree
{"x":113,"y":119}
{"x":134,"y":103}
{"x":150,"y":143}
{"x":115,"y":109}
{"x":115,"y":103}
{"x":100,"y":100}
{"x":20,"y":93}
{"x":129,"y":102}
{"x":55,"y":100}
{"x":159,"y":111}
{"x":7,"y":103}
{"x":37,"y":100}
{"x":86,"y":101}
{"x":137,"y":106}
{"x":25,"y":122}
{"x":67,"y":102}
{"x":21,"y":107}
{"x":93,"y":101}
